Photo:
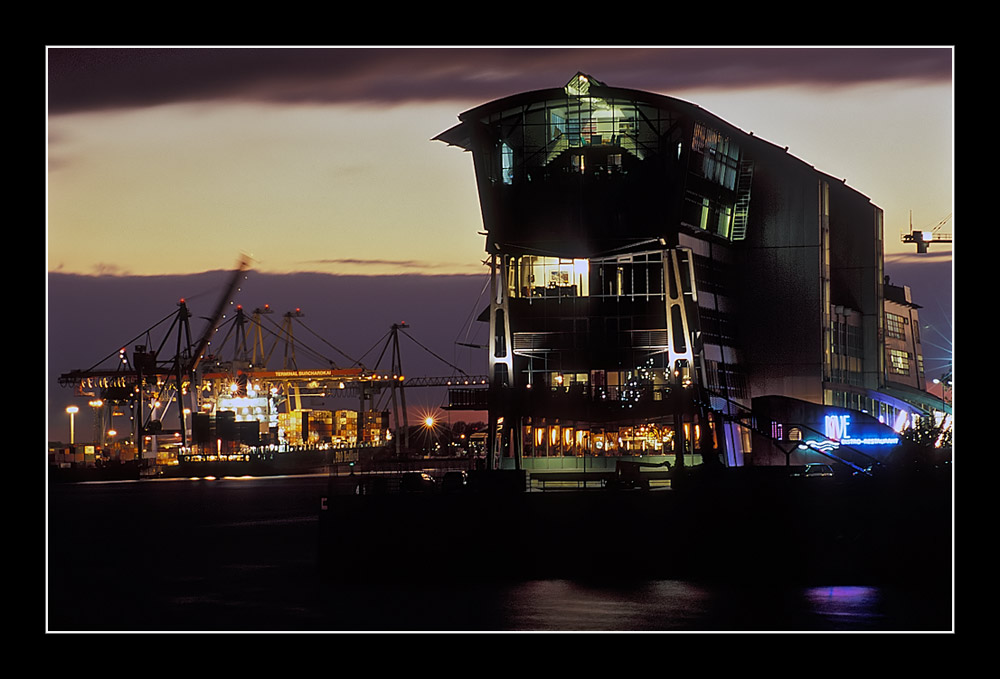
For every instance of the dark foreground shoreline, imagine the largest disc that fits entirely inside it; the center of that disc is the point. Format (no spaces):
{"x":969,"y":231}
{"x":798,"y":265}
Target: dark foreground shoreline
{"x":860,"y":530}
{"x":259,"y":554}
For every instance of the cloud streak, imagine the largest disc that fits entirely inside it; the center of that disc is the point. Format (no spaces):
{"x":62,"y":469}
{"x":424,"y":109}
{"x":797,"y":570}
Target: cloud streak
{"x":87,"y":79}
{"x":409,"y":263}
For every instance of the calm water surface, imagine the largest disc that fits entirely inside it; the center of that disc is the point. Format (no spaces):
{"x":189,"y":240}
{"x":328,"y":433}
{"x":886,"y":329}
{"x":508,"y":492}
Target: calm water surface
{"x":240,"y":555}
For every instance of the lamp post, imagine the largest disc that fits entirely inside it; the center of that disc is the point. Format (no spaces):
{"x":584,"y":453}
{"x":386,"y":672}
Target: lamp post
{"x":96,"y":404}
{"x":945,"y":382}
{"x":429,"y":433}
{"x":72,"y":410}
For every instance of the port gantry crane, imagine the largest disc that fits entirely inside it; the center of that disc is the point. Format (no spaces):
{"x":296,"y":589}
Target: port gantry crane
{"x":364,"y":383}
{"x":145,"y":379}
{"x":923,"y":239}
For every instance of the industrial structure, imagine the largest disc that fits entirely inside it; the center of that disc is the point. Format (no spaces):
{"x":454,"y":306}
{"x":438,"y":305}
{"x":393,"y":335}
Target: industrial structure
{"x":666,"y":284}
{"x":227,"y":394}
{"x":924,"y":238}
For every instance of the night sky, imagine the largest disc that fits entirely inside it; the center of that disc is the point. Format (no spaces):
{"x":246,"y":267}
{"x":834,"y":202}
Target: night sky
{"x":170,"y":162}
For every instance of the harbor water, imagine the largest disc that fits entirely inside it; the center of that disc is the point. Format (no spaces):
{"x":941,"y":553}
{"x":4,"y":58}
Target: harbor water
{"x":240,"y":555}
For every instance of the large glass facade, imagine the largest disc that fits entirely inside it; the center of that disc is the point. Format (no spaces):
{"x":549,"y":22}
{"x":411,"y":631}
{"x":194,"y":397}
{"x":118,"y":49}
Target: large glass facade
{"x":545,"y":437}
{"x":589,"y":172}
{"x":576,"y":134}
{"x":531,"y":276}
{"x":637,"y":275}
{"x":551,"y":438}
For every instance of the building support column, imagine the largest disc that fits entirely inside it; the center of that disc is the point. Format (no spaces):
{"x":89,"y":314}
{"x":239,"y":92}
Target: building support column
{"x":502,"y":416}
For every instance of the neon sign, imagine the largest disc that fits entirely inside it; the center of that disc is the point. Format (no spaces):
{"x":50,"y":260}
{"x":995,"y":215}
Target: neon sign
{"x":836,"y":430}
{"x":836,"y":426}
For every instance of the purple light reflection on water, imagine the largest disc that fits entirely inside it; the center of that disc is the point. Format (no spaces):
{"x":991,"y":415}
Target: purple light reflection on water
{"x":677,"y":606}
{"x":232,"y":555}
{"x":846,"y":603}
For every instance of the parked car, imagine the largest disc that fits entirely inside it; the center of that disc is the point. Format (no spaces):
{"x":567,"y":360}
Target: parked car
{"x":815,"y":470}
{"x":454,"y":482}
{"x":417,"y":482}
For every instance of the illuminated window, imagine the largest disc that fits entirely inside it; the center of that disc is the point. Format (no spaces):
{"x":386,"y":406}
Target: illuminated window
{"x":507,"y":161}
{"x":579,"y":86}
{"x":532,"y":139}
{"x":557,"y":125}
{"x":899,"y":362}
{"x":719,"y":156}
{"x":531,"y":276}
{"x":708,"y":215}
{"x":895,"y":326}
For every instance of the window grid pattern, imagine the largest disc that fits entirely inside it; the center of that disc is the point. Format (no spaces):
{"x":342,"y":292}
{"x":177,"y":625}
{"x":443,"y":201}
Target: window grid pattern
{"x":847,"y":340}
{"x":895,"y":326}
{"x":899,"y":362}
{"x":636,"y":276}
{"x":533,"y":136}
{"x":718,"y":155}
{"x":708,"y":215}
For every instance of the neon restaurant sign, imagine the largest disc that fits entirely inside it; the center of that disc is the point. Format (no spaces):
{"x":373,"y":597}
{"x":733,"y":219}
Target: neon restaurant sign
{"x":837,"y":430}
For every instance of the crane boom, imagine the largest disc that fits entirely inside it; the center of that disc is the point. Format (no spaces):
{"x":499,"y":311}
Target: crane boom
{"x":214,"y":319}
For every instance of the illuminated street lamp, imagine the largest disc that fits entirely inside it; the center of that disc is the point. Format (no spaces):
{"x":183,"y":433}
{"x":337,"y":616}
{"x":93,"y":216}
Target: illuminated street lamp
{"x":72,"y":410}
{"x":96,"y":404}
{"x":945,"y":381}
{"x":429,"y":431}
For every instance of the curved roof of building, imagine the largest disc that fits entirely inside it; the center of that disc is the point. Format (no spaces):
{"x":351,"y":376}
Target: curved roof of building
{"x":460,"y":135}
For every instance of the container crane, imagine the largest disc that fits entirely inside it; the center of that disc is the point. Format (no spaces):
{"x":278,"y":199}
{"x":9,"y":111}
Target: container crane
{"x":923,"y":239}
{"x":213,"y":321}
{"x":189,"y":368}
{"x":130,"y":379}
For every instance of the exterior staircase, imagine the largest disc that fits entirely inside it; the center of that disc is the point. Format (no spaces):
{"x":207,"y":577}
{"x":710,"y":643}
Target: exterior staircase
{"x":742,"y":210}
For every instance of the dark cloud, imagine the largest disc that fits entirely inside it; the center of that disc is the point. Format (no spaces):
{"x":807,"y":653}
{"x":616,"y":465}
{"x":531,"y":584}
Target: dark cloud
{"x":98,"y":78}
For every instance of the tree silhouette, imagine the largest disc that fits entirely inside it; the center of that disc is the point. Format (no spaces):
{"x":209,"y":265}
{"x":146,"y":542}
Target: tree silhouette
{"x":924,"y":446}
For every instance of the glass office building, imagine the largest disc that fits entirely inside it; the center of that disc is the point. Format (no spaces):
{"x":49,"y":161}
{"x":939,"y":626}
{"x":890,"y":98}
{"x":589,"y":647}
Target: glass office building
{"x":654,"y":269}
